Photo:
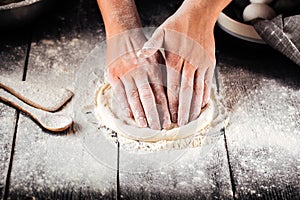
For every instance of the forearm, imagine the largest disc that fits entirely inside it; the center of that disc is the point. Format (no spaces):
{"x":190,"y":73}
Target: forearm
{"x":210,"y":8}
{"x":119,"y":15}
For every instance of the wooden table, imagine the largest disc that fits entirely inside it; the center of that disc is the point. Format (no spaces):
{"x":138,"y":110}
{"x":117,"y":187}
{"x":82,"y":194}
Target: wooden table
{"x":258,"y":156}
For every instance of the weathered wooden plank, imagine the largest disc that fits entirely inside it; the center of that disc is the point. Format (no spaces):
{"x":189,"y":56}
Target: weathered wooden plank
{"x":12,"y":58}
{"x":62,"y":166}
{"x":60,"y":45}
{"x":199,"y":173}
{"x":262,"y":94}
{"x":50,"y":166}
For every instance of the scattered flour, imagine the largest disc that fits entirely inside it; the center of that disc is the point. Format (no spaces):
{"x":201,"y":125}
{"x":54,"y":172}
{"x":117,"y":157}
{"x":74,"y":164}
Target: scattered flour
{"x":263,"y":134}
{"x":210,"y":122}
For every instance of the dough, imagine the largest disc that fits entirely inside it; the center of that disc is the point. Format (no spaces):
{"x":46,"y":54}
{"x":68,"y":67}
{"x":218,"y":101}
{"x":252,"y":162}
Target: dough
{"x":258,"y":10}
{"x":111,"y":116}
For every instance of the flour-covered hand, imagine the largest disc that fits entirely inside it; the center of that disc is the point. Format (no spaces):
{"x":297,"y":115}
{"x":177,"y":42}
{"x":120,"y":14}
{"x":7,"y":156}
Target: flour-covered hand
{"x":137,"y":82}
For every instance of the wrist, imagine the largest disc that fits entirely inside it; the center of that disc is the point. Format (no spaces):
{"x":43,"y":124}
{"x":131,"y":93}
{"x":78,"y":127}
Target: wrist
{"x":119,"y":16}
{"x":116,"y":29}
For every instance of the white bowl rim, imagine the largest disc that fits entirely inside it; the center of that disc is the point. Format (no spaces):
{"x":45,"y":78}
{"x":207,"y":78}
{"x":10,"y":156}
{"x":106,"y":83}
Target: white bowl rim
{"x":238,"y":29}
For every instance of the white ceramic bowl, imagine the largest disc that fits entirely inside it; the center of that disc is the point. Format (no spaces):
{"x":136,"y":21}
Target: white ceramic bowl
{"x":238,"y":29}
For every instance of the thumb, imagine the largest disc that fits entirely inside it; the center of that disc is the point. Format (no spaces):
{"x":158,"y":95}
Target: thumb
{"x":153,"y":44}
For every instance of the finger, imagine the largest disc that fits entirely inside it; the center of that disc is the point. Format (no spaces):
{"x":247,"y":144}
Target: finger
{"x":120,"y":95}
{"x":197,"y":95}
{"x":207,"y":85}
{"x":148,"y":100}
{"x":153,"y":44}
{"x":134,"y":100}
{"x":112,"y":77}
{"x":160,"y":97}
{"x":174,"y":64}
{"x":186,"y":93}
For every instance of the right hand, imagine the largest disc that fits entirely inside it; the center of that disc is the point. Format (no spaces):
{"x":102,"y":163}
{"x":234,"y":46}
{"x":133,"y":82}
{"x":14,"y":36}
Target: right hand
{"x":188,"y":42}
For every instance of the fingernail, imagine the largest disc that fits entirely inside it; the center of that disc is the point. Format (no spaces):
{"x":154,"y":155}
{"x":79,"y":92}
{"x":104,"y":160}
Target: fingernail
{"x":156,"y":127}
{"x":166,"y":122}
{"x":182,"y":122}
{"x":193,"y":117}
{"x":174,"y":117}
{"x":142,"y":122}
{"x":144,"y":53}
{"x":167,"y":125}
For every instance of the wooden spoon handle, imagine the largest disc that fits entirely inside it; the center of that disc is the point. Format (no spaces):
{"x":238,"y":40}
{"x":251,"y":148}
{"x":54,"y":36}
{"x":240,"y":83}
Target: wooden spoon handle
{"x":50,"y":121}
{"x":38,"y":95}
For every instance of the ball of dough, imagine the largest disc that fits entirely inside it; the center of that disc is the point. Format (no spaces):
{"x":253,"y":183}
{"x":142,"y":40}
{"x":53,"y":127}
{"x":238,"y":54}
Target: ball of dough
{"x":261,"y":1}
{"x":110,"y":115}
{"x":258,"y":10}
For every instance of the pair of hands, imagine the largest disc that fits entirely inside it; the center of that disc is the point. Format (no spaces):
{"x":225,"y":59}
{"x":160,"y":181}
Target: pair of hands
{"x":139,"y":73}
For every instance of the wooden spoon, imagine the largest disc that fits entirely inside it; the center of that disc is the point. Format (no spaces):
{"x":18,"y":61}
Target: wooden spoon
{"x":50,"y":121}
{"x":41,"y":96}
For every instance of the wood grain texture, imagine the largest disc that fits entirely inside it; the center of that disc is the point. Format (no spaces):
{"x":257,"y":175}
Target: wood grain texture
{"x":196,"y":173}
{"x":48,"y":166}
{"x":12,"y":59}
{"x":59,"y":166}
{"x":60,"y":44}
{"x":262,"y":95}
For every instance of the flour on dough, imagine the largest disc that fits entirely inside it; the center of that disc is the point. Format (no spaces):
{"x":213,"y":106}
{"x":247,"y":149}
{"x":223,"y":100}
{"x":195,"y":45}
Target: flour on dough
{"x":211,"y":120}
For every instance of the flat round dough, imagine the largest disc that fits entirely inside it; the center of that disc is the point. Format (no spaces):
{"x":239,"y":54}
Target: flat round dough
{"x":111,"y":116}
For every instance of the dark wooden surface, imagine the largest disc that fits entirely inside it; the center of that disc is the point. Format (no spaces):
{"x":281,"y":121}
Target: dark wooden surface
{"x":257,"y":157}
{"x":261,"y":89}
{"x":47,"y":165}
{"x":12,"y":57}
{"x":199,"y":173}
